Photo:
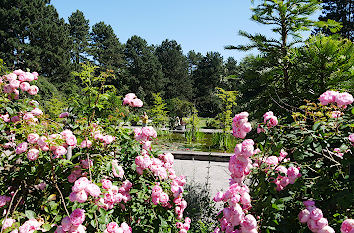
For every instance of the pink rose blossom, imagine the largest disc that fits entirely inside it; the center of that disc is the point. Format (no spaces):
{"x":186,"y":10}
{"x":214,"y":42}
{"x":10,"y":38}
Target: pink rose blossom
{"x":328,"y":97}
{"x":28,"y":116}
{"x":33,"y":90}
{"x":106,"y":184}
{"x":304,"y":216}
{"x":66,"y":223}
{"x":25,"y":86}
{"x":81,"y":196}
{"x":22,"y":147}
{"x":71,"y":140}
{"x":63,"y":115}
{"x":80,"y":184}
{"x":32,"y":138}
{"x":77,"y":217}
{"x":326,"y":229}
{"x":33,"y":154}
{"x":36,"y":112}
{"x":86,"y":143}
{"x":93,"y":190}
{"x":347,"y":226}
{"x":316,"y":214}
{"x":344,"y":99}
{"x":7,"y":223}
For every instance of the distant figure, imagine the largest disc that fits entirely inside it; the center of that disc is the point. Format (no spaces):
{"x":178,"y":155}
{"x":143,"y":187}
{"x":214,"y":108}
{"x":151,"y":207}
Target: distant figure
{"x":178,"y":122}
{"x":145,"y":119}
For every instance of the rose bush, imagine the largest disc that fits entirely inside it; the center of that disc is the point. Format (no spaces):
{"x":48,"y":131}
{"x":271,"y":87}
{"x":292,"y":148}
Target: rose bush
{"x":307,"y":160}
{"x":93,"y":177}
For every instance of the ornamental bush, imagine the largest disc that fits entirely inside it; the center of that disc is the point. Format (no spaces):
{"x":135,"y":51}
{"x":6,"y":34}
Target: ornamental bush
{"x":306,"y":162}
{"x":93,"y":177}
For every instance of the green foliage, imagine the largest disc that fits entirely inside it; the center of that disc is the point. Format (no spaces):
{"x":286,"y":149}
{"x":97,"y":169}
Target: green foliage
{"x":323,"y":63}
{"x":338,"y":11}
{"x":158,"y":111}
{"x":228,"y":99}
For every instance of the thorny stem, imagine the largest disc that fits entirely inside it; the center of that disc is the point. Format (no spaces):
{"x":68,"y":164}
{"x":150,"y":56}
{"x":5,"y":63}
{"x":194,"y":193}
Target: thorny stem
{"x":8,"y":211}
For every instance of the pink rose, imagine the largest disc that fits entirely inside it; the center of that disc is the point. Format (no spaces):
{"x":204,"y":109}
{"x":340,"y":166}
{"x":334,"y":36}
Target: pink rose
{"x":72,"y":178}
{"x":328,"y":97}
{"x":272,"y":160}
{"x":128,"y":98}
{"x":63,"y":115}
{"x":5,"y":117}
{"x":163,"y":198}
{"x":80,"y":184}
{"x":7,"y":223}
{"x":28,"y":116}
{"x":71,"y":140}
{"x":326,"y":229}
{"x":66,"y":223}
{"x":304,"y":216}
{"x":347,"y":226}
{"x":249,"y":222}
{"x":81,"y":196}
{"x":106,"y":184}
{"x":77,"y":217}
{"x":60,"y":151}
{"x":33,"y":90}
{"x":344,"y":99}
{"x":11,"y":77}
{"x":93,"y":190}
{"x":86,"y":143}
{"x":112,"y":227}
{"x":32,"y":138}
{"x":267,"y":116}
{"x":22,"y":147}
{"x":33,"y":154}
{"x":316,"y":214}
{"x":86,"y":164}
{"x":136,"y":103}
{"x":36,"y":112}
{"x":14,"y":84}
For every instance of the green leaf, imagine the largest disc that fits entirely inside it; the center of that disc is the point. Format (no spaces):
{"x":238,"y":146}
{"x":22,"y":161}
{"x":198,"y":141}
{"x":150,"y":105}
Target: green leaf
{"x":316,"y":125}
{"x":30,"y":214}
{"x":46,"y":227}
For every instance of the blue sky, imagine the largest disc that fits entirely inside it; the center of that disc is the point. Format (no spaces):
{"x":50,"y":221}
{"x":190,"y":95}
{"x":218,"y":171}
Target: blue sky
{"x":200,"y":25}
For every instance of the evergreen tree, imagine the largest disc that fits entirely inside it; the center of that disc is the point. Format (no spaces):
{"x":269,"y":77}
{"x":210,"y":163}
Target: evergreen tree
{"x":33,"y":36}
{"x":193,"y":61}
{"x":144,"y":72}
{"x":206,"y":78}
{"x":341,"y":11}
{"x":175,"y":70}
{"x":288,"y":18}
{"x":106,"y":49}
{"x":79,"y":33}
{"x":50,"y":45}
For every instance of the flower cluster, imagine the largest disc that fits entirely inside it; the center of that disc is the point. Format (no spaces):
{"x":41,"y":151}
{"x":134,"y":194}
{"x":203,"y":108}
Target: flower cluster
{"x":114,"y":195}
{"x":184,"y":227}
{"x":313,"y":216}
{"x":158,"y":196}
{"x":113,"y":227}
{"x":239,"y":202}
{"x":237,"y":196}
{"x":240,"y":125}
{"x":273,"y":165}
{"x":270,"y":119}
{"x":73,"y":223}
{"x":145,"y":134}
{"x":240,"y":163}
{"x":132,"y":100}
{"x":82,"y":189}
{"x":341,"y":99}
{"x":19,"y":79}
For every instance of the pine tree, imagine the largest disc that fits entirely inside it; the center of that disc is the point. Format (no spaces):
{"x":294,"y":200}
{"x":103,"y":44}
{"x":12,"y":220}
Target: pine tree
{"x":144,"y":71}
{"x":175,"y":70}
{"x":288,"y":18}
{"x":106,"y":49}
{"x":79,"y":33}
{"x":341,"y":11}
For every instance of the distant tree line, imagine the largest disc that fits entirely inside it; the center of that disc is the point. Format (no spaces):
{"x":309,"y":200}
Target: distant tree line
{"x":32,"y":35}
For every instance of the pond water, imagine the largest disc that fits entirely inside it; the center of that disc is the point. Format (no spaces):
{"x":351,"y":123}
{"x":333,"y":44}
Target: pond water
{"x":211,"y":142}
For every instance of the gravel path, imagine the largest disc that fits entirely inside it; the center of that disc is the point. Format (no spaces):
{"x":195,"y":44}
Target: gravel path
{"x":197,"y":171}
